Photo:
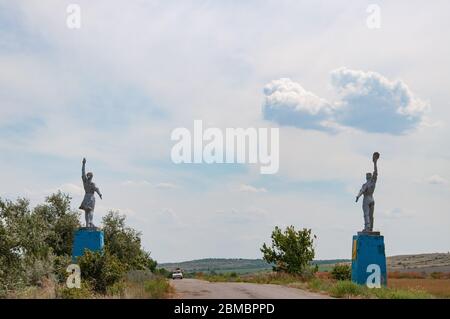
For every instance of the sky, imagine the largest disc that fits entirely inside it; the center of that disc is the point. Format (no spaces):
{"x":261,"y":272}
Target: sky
{"x":337,"y":88}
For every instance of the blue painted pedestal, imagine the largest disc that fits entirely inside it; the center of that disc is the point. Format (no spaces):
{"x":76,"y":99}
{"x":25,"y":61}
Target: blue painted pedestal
{"x":368,"y":258}
{"x":87,"y":238}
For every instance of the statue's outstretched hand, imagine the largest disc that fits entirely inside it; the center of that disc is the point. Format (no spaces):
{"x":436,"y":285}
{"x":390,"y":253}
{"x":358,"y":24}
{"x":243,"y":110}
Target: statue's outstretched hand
{"x":84,"y":160}
{"x":375,"y":157}
{"x":356,"y":199}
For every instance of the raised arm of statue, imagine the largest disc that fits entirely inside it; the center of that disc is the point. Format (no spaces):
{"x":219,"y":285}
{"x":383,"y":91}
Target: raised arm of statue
{"x":83,"y":171}
{"x":375,"y":171}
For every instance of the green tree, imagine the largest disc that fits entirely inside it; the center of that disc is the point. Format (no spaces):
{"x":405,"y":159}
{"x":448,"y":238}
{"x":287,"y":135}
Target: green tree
{"x":101,"y":270}
{"x":291,"y":250}
{"x":61,"y":222}
{"x":31,"y":240}
{"x":125,"y":243}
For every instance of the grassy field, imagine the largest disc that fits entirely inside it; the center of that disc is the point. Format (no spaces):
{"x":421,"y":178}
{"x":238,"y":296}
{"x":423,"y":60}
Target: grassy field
{"x":437,"y":287}
{"x":398,"y":288}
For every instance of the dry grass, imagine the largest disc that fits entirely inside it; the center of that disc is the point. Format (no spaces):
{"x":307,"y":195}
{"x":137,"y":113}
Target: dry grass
{"x":406,"y":275}
{"x":437,"y":287}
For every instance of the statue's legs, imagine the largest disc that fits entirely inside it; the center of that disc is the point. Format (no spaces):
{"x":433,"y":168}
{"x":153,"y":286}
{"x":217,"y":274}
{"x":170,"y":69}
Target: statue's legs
{"x":366,"y":210}
{"x":86,"y":217}
{"x":89,"y":217}
{"x":371,"y":209}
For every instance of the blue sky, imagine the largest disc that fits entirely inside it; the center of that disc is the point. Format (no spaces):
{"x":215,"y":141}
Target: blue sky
{"x":114,"y":90}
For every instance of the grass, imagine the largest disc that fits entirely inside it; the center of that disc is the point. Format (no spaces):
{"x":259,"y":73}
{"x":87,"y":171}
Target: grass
{"x":145,"y":285}
{"x":157,"y":288}
{"x":136,"y":285}
{"x":437,"y":287}
{"x":337,"y":289}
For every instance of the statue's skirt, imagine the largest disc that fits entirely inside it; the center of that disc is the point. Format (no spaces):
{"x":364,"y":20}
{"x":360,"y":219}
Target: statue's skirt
{"x":88,"y":202}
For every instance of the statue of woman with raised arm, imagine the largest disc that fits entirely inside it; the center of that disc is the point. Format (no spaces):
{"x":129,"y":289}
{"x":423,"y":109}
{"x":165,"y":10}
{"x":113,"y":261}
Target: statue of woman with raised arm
{"x":88,"y":204}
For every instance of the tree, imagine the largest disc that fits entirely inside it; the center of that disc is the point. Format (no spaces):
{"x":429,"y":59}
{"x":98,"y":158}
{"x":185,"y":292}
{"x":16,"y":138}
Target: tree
{"x":125,"y":243}
{"x":101,"y":270}
{"x":291,"y":251}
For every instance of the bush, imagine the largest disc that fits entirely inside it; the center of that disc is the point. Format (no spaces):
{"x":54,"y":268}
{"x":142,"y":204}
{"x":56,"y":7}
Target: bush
{"x":100,"y":270}
{"x":346,"y":289}
{"x":125,"y":243}
{"x":84,"y":292}
{"x":291,"y":251}
{"x":139,"y":275}
{"x":341,"y":272}
{"x":31,"y":239}
{"x":157,"y":288}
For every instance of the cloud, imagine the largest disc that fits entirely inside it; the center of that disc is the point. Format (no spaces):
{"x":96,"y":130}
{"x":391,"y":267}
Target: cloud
{"x":367,"y":101}
{"x":136,"y":183}
{"x":251,"y":189}
{"x":144,"y":183}
{"x":395,"y":213}
{"x":251,"y":215}
{"x":373,"y":103}
{"x":288,"y":103}
{"x":167,"y":216}
{"x":166,"y":186}
{"x":437,"y":180}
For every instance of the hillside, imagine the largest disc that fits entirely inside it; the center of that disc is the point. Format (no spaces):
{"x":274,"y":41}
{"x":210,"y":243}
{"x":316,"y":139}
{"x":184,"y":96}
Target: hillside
{"x":237,"y":265}
{"x":435,"y":262}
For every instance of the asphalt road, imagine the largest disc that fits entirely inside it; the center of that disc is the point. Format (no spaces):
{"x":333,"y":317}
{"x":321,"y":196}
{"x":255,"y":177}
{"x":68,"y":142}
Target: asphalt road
{"x":200,"y":289}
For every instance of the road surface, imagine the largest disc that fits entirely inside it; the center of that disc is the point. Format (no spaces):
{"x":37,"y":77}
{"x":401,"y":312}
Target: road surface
{"x":200,"y":289}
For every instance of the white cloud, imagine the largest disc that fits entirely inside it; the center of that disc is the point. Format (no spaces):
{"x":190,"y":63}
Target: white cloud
{"x":437,"y":180}
{"x":367,"y":101}
{"x":288,"y":103}
{"x":144,"y":183}
{"x":395,"y":213}
{"x":166,"y":186}
{"x":251,"y":189}
{"x":136,"y":183}
{"x":373,"y":103}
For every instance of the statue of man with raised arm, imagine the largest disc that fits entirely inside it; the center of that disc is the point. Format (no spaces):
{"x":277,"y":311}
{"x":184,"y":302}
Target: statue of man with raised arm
{"x":367,"y":190}
{"x":88,"y":204}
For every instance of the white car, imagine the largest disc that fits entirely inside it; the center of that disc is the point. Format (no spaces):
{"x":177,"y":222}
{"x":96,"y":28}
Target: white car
{"x":177,"y":274}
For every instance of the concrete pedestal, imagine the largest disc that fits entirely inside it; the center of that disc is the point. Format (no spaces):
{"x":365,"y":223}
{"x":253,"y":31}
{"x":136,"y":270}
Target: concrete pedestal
{"x":369,"y":259}
{"x":87,"y":238}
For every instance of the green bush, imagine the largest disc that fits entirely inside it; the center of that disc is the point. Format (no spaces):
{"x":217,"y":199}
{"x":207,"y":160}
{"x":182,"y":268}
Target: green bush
{"x":100,"y":270}
{"x":291,"y":251}
{"x":84,"y":292}
{"x":137,"y":276}
{"x":157,"y":288}
{"x":346,"y":289}
{"x":125,"y":243}
{"x":341,"y":272}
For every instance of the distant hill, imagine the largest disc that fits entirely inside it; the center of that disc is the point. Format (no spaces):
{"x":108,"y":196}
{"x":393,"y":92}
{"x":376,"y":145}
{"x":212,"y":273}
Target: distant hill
{"x":439,"y":262}
{"x":238,"y":265}
{"x":436,"y":262}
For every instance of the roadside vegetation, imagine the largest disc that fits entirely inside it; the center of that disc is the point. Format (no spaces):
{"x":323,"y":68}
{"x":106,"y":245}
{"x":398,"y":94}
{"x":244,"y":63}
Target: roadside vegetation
{"x":35,"y":250}
{"x":325,"y":284}
{"x":292,"y":253}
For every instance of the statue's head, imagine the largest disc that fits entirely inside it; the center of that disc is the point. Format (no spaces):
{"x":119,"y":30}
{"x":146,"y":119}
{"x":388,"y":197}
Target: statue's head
{"x":89,"y":176}
{"x":368,"y":176}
